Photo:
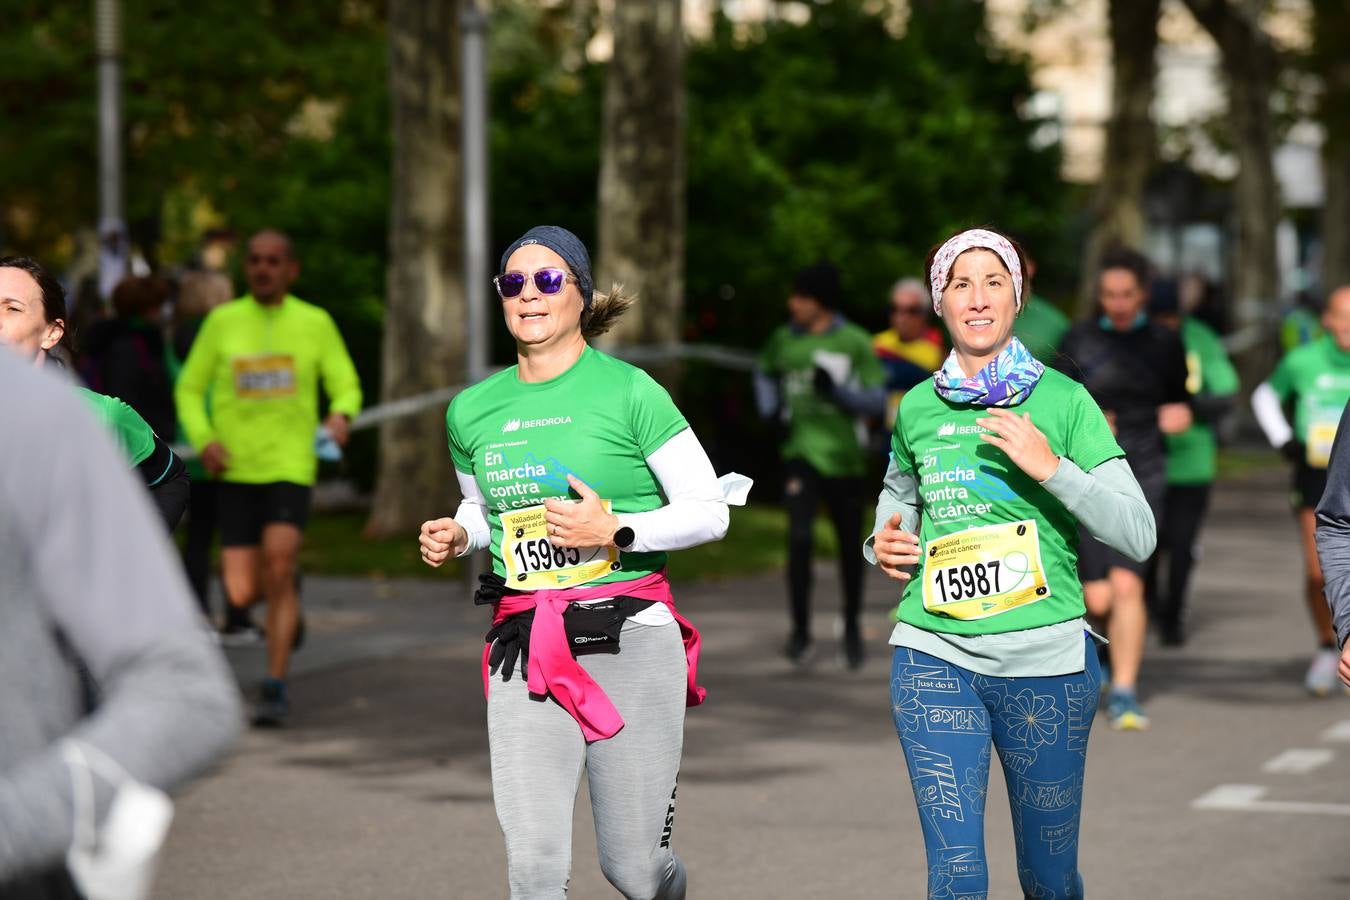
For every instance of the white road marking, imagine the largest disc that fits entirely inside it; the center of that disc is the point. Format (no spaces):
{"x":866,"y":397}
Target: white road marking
{"x":1298,"y":762}
{"x":1247,"y":798}
{"x":1338,"y":732}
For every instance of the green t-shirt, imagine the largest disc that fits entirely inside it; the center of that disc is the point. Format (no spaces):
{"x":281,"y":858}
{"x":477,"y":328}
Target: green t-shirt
{"x":821,"y":433}
{"x":1315,"y":379}
{"x":1192,"y":454}
{"x":1041,"y":326}
{"x":599,"y":421}
{"x":1014,"y":564}
{"x":134,"y":436}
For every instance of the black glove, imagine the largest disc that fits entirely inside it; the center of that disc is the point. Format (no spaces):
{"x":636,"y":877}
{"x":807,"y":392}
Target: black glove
{"x":491,"y":588}
{"x":823,"y":383}
{"x":510,"y":640}
{"x":1294,"y":451}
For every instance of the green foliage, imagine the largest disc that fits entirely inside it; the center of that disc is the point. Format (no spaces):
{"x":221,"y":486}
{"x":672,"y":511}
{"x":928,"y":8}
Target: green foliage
{"x":545,"y":108}
{"x":835,"y":139}
{"x":48,"y":142}
{"x":262,"y":114}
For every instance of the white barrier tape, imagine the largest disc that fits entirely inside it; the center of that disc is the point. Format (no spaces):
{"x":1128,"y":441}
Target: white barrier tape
{"x":1249,"y":338}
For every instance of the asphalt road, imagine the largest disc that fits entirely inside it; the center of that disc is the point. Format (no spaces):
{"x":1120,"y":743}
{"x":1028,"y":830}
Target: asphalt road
{"x":793,"y":783}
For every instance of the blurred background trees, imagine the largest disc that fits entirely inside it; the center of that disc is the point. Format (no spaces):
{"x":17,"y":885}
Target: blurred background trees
{"x":862,"y":131}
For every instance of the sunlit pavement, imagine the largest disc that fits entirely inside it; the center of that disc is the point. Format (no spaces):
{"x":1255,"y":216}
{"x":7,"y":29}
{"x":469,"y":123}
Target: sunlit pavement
{"x":793,"y":782}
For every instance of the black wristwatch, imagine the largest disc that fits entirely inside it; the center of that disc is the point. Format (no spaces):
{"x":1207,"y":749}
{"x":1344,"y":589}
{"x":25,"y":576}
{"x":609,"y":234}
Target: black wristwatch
{"x":624,"y":537}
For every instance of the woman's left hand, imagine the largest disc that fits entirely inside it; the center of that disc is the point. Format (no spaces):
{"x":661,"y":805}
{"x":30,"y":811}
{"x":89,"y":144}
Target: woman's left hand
{"x":1024,"y":443}
{"x":580,"y":523}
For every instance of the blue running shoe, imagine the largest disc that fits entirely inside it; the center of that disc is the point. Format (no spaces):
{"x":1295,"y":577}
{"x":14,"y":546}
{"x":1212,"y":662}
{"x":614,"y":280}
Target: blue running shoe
{"x":1124,"y":713}
{"x":272,"y":708}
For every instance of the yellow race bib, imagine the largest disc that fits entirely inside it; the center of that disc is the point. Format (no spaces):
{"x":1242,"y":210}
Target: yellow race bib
{"x":983,"y":572}
{"x":533,"y":564}
{"x":264,"y":377}
{"x":1321,"y":435}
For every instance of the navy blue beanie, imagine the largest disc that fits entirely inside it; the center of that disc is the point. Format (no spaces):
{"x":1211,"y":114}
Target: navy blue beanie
{"x":565,"y":244}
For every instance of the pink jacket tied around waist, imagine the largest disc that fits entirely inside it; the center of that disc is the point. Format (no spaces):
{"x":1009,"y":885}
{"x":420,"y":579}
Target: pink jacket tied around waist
{"x":554,"y":671}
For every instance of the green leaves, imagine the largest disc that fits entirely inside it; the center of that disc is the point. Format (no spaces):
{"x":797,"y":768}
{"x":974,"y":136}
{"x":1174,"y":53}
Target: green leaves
{"x":837,"y":139}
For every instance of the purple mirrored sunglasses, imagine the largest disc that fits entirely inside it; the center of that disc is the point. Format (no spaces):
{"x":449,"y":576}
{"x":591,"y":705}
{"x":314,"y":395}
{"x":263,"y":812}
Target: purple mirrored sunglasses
{"x":546,"y":281}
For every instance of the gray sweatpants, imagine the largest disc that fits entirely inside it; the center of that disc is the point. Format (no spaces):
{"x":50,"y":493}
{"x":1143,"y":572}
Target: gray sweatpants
{"x":538,"y":755}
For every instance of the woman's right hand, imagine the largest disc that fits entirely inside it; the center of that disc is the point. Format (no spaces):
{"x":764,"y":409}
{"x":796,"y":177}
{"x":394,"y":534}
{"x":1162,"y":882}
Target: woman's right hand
{"x":895,"y":549}
{"x":441,"y":539}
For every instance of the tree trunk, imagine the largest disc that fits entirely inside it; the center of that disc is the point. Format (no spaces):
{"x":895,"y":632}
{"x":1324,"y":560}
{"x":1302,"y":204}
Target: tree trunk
{"x":1331,"y":30}
{"x":424,"y":335}
{"x":1131,"y":140}
{"x":1249,"y":64}
{"x":1336,"y":216}
{"x":642,"y":171}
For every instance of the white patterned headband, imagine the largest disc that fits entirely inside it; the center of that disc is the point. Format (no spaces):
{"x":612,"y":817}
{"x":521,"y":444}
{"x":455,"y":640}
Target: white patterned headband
{"x":970,"y":240}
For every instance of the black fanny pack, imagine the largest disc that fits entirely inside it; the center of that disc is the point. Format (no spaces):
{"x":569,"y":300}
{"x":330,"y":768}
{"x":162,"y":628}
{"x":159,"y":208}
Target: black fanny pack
{"x":590,"y":628}
{"x":595,"y":627}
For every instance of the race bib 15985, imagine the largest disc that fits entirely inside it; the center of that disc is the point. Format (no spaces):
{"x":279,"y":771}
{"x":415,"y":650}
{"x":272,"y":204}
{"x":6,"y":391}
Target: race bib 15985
{"x":532,"y":563}
{"x":983,"y":572}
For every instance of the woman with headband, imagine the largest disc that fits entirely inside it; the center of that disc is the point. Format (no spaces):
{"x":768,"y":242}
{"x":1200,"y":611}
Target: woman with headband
{"x":994,"y":464}
{"x":579,"y":473}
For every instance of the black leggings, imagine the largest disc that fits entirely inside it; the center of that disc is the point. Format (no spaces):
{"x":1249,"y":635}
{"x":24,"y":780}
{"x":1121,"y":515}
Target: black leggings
{"x":201,"y":532}
{"x":1183,"y":514}
{"x":803,"y":490}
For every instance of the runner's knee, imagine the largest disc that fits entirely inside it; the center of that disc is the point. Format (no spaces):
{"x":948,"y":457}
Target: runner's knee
{"x":540,"y":870}
{"x":278,"y":577}
{"x":1097,"y":597}
{"x":1050,"y":877}
{"x":639,"y":876}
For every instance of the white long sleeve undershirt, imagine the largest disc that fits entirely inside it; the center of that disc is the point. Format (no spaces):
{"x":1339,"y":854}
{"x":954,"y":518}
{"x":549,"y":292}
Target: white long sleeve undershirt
{"x":1270,"y":415}
{"x":472,"y":513}
{"x":695,"y":511}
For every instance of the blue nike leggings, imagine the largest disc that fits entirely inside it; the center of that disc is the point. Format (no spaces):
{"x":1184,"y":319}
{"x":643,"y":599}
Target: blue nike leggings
{"x":948,"y":719}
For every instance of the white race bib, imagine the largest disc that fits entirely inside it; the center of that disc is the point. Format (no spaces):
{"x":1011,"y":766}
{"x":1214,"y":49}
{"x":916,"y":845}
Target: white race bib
{"x":532,"y":563}
{"x":1321,"y":435}
{"x":983,"y":572}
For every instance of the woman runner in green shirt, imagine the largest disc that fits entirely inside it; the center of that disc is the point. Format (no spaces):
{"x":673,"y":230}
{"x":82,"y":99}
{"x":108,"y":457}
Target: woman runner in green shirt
{"x":32,"y":323}
{"x":579,"y":473}
{"x":994,"y":464}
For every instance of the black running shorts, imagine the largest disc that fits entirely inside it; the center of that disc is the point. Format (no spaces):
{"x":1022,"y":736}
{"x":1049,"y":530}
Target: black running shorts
{"x":1096,"y":560}
{"x":1309,"y":485}
{"x":246,"y":508}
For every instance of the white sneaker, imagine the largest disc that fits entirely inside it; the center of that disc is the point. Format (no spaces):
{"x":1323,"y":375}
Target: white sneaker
{"x":1322,"y":676}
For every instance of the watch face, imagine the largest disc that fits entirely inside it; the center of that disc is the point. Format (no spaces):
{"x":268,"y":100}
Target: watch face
{"x":624,"y":537}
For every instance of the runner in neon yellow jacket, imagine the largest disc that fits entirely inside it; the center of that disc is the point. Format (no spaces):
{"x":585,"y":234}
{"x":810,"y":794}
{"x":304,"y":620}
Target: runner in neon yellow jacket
{"x":262,"y":367}
{"x":260,"y":359}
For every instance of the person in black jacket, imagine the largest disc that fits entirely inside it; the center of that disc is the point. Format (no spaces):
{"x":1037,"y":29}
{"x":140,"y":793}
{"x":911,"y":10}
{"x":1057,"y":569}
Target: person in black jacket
{"x":1136,"y":371}
{"x":124,"y":356}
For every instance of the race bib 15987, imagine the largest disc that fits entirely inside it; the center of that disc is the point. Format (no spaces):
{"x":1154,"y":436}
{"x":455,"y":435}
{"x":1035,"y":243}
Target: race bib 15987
{"x":532,"y":563}
{"x":983,"y":572}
